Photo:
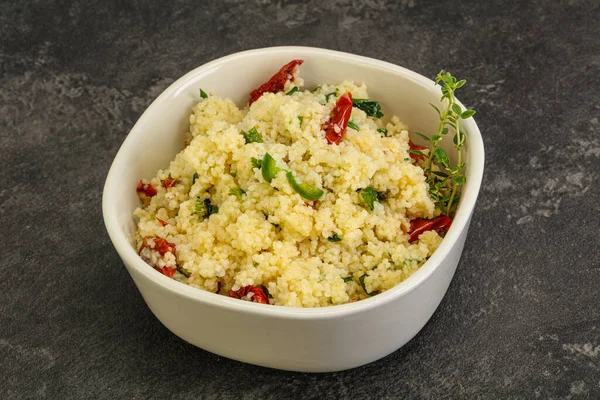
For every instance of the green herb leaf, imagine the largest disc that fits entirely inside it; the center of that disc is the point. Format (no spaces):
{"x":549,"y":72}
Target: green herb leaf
{"x":253,"y":136}
{"x":353,"y":126}
{"x":467,"y":113}
{"x":315,"y":89}
{"x":370,"y":107}
{"x":436,"y":109}
{"x":362,"y":284}
{"x":329,"y":95}
{"x":460,"y":180}
{"x":203,"y":94}
{"x":348,"y":278}
{"x":418,"y":152}
{"x":369,"y":196}
{"x":183,"y":272}
{"x":269,"y":168}
{"x":254,"y":264}
{"x":305,"y":190}
{"x":456,"y":108}
{"x":442,"y":157}
{"x":382,"y":130}
{"x":292,"y":91}
{"x":460,"y":84}
{"x":236,"y":191}
{"x":264,"y":289}
{"x":300,"y":118}
{"x":422,"y":136}
{"x":256,"y":163}
{"x":194,"y":177}
{"x":233,"y":173}
{"x":334,"y":238}
{"x":206,"y":208}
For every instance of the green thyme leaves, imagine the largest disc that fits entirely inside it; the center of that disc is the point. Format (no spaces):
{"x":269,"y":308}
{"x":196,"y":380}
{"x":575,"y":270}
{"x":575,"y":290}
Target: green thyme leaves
{"x":361,"y":279}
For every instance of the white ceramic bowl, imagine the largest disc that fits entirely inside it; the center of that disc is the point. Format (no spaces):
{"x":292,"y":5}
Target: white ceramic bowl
{"x":311,"y":340}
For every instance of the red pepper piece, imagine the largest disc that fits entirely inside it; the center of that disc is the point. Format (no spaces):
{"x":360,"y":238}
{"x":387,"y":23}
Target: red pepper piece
{"x":146,"y":188}
{"x":419,"y":225}
{"x":163,"y":223}
{"x":340,"y":115}
{"x":413,"y":146}
{"x":277,"y":81}
{"x":167,"y":183}
{"x":258,"y":297}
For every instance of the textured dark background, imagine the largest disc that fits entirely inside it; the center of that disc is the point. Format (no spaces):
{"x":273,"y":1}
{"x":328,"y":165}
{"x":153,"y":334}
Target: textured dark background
{"x":522,"y":316}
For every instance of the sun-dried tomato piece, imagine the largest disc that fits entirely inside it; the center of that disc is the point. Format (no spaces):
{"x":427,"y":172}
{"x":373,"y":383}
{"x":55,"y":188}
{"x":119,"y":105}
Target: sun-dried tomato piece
{"x":162,"y":247}
{"x":163,"y":223}
{"x":414,"y":146}
{"x":419,"y":225}
{"x":277,"y":81}
{"x":146,"y":188}
{"x":167,"y":183}
{"x":340,"y":116}
{"x":258,"y":296}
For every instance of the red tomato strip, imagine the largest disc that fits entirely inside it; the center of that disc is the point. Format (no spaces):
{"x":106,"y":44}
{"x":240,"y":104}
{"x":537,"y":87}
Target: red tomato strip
{"x":413,"y":146}
{"x":419,"y":225}
{"x":167,"y":183}
{"x":277,"y":81}
{"x":163,"y":247}
{"x":146,"y":188}
{"x":340,"y":115}
{"x":163,"y":223}
{"x":258,"y":297}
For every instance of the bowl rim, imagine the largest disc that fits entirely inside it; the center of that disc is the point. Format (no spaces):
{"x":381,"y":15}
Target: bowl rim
{"x":129,"y":256}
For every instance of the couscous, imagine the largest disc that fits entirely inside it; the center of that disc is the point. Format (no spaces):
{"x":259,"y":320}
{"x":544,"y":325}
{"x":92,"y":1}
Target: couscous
{"x":303,"y":198}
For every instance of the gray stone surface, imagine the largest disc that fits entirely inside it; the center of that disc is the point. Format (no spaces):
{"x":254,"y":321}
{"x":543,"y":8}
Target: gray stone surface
{"x":522,"y":316}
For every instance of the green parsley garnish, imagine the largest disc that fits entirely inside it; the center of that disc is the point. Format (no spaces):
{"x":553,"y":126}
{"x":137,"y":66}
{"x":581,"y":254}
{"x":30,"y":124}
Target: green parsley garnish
{"x":370,"y":196}
{"x":233,"y":173}
{"x":264,"y":289}
{"x":362,"y":283}
{"x":329,"y":95}
{"x":194,"y":177}
{"x":353,"y":126}
{"x":300,"y":118}
{"x":206,"y":208}
{"x":254,"y":264}
{"x":305,"y":190}
{"x":203,"y":94}
{"x":382,"y":130}
{"x":334,"y":238}
{"x":370,"y":107}
{"x":253,"y":136}
{"x":183,"y":272}
{"x":237,"y":192}
{"x":291,"y":92}
{"x":348,"y":278}
{"x":256,"y":163}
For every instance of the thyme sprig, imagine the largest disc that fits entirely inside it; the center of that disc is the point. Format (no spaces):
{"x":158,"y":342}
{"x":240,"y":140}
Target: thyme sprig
{"x":444,"y":183}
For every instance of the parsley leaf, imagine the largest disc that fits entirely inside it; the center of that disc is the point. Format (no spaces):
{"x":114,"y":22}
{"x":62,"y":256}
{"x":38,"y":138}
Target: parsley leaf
{"x":203,"y":94}
{"x":256,"y":163}
{"x":334,"y":238}
{"x":291,"y":92}
{"x":370,"y":196}
{"x":370,"y":107}
{"x":253,"y":136}
{"x":353,"y":126}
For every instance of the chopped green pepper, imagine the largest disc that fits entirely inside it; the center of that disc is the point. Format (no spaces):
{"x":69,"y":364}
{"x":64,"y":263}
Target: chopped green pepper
{"x":305,"y":190}
{"x":269,"y":168}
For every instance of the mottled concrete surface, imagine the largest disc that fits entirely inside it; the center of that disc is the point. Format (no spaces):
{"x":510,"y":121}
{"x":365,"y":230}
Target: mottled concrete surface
{"x":522,"y":316}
